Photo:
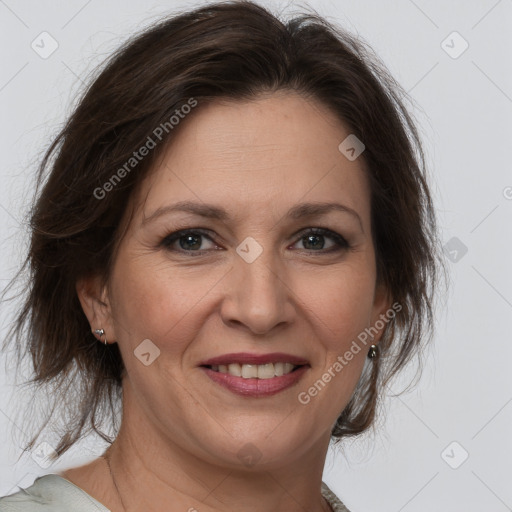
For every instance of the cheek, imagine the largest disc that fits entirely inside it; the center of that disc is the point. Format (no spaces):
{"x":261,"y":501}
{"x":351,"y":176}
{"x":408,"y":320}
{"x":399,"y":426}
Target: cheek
{"x":153,"y":301}
{"x":341,"y":308}
{"x":341,"y":301}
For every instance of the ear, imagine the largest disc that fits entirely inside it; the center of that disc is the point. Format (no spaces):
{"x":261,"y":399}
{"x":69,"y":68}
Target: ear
{"x":381,"y":304}
{"x":93,"y":296}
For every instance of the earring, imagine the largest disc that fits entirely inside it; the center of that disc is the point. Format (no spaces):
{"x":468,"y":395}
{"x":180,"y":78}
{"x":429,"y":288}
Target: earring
{"x":373,"y":352}
{"x":100,"y":332}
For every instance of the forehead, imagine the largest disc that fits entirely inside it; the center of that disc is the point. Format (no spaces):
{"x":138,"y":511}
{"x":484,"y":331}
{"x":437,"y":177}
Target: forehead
{"x":253,"y":156}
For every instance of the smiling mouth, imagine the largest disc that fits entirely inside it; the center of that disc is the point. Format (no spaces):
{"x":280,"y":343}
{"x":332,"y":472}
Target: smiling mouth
{"x":255,"y":371}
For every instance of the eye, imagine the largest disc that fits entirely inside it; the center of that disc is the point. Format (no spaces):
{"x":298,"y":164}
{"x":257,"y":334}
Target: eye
{"x":193,"y":241}
{"x":314,"y":240}
{"x":188,"y":241}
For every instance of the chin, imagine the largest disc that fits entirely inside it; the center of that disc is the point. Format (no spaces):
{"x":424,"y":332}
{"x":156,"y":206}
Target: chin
{"x":261,"y":444}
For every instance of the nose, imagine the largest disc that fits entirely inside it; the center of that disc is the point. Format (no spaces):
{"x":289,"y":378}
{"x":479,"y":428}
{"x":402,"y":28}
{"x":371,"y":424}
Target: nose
{"x":259,"y":295}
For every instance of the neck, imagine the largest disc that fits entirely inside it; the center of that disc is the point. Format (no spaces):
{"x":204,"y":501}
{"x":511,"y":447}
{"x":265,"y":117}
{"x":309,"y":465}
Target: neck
{"x":149,"y":470}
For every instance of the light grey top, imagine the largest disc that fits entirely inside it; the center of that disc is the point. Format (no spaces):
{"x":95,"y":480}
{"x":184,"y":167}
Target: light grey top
{"x":56,"y":494}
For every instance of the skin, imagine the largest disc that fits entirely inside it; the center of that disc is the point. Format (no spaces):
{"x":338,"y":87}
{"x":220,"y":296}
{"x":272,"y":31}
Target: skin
{"x":181,"y":432}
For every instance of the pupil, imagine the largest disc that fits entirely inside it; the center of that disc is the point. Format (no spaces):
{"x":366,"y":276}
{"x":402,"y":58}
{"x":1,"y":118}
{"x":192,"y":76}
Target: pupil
{"x":192,"y":238}
{"x":309,"y":239}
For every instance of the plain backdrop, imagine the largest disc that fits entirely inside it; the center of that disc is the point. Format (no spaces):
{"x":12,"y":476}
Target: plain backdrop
{"x":444,"y":446}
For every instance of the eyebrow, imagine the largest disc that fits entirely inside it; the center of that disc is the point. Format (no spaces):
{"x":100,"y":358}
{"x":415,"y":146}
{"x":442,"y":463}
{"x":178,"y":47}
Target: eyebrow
{"x":214,"y":212}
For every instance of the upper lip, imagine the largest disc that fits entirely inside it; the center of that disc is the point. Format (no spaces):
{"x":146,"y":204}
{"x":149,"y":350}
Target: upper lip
{"x":248,"y":358}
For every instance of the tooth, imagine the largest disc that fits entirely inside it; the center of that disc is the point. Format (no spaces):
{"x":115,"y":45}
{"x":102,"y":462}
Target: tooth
{"x":235,"y":369}
{"x":265,"y":371}
{"x":279,"y":369}
{"x":254,"y":371}
{"x":288,"y":367}
{"x":249,"y":371}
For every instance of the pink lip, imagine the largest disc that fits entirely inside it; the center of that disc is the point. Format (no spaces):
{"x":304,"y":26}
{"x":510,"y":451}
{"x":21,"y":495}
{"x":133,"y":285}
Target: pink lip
{"x":247,"y":358}
{"x":256,"y":387}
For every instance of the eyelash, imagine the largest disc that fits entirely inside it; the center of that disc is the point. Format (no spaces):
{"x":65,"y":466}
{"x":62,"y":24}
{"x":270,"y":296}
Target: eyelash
{"x":341,"y":243}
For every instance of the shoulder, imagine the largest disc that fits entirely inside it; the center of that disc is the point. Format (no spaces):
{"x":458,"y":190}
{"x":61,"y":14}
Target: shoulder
{"x":56,"y":494}
{"x":50,"y":493}
{"x":332,"y":499}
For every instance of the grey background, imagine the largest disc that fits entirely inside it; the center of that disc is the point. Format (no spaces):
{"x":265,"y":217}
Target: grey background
{"x":463,"y":107}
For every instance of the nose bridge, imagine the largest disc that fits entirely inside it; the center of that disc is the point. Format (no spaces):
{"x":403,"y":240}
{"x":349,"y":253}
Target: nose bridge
{"x":260,"y":294}
{"x":258,"y":265}
{"x":261,"y":271}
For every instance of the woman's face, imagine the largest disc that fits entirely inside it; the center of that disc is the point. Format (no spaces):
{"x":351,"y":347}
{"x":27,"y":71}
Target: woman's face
{"x":249,"y":278}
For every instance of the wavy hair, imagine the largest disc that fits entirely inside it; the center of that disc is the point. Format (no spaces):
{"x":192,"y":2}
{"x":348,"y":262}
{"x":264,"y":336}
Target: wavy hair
{"x":228,"y":50}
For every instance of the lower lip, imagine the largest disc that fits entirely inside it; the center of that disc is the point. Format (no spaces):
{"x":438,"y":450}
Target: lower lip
{"x":256,"y":387}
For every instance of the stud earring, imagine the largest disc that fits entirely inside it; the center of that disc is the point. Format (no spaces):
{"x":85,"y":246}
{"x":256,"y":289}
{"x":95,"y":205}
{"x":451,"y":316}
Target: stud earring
{"x":100,"y":332}
{"x":373,"y":352}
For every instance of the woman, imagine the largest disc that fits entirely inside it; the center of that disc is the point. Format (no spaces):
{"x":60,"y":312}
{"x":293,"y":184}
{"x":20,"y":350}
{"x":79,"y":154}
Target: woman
{"x":235,"y":238}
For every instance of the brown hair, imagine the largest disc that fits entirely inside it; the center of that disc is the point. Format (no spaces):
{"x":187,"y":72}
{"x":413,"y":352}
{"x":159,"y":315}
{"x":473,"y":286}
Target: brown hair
{"x":233,"y":50}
